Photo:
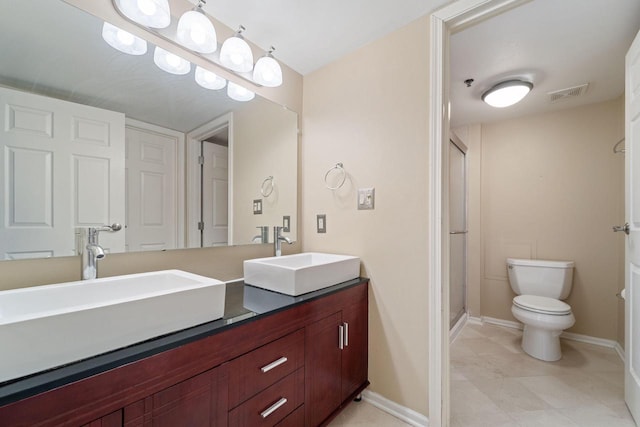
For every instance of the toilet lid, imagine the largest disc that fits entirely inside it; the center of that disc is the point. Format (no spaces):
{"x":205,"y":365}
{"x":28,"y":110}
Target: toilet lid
{"x":542,"y":304}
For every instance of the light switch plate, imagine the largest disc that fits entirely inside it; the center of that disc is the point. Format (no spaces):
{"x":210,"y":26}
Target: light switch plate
{"x":257,"y":207}
{"x":366,"y":198}
{"x":321,"y":223}
{"x":286,"y":223}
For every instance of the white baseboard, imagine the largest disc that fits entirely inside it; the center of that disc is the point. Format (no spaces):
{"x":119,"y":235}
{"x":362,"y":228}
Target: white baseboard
{"x":565,"y":335}
{"x":474,"y":320}
{"x":457,"y":328}
{"x":405,"y":414}
{"x":618,"y":348}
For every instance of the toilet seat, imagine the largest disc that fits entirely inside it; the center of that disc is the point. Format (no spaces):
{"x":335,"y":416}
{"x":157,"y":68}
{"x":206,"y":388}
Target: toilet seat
{"x":543,"y":305}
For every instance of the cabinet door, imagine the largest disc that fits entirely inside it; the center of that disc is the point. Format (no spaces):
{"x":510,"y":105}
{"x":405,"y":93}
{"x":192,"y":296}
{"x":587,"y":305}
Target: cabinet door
{"x":354,"y":355}
{"x":195,"y":402}
{"x":323,"y":369}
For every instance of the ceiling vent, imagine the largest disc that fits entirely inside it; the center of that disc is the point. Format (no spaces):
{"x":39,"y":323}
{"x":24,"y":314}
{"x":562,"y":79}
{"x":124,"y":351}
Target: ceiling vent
{"x":568,"y":93}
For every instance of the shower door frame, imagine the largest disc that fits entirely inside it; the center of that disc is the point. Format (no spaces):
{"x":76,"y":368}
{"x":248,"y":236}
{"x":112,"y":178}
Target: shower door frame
{"x":453,"y":139}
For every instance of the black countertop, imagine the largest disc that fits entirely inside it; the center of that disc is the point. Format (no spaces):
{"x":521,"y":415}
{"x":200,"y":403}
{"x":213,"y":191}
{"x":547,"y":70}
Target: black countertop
{"x":243,"y":304}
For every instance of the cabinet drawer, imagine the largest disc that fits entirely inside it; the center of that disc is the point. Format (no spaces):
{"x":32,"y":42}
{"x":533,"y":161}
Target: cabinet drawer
{"x":272,"y":405}
{"x":257,"y":370}
{"x":294,"y":419}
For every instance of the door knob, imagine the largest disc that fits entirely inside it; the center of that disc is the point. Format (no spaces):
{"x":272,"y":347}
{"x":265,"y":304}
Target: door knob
{"x":624,"y":228}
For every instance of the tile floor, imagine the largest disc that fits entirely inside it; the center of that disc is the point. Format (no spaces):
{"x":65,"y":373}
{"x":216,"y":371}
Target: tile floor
{"x":494,"y":383}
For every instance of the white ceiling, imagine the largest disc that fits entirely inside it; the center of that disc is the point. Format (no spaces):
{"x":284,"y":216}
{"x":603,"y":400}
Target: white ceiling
{"x":555,"y":43}
{"x":310,"y":34}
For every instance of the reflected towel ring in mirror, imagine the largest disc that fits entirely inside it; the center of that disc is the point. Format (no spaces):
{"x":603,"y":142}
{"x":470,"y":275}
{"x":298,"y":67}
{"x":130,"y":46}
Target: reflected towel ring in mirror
{"x":267,"y":186}
{"x":339,"y":168}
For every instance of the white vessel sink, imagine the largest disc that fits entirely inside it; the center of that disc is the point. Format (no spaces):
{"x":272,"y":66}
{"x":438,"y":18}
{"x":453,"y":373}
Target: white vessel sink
{"x":300,"y":273}
{"x":47,"y":326}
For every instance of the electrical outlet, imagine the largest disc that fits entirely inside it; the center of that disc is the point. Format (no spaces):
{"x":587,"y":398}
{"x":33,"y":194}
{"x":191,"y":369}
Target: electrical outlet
{"x":321,"y":223}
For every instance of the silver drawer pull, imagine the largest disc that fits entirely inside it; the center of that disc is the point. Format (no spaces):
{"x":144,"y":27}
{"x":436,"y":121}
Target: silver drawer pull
{"x":274,"y":364}
{"x":346,"y":334}
{"x":271,"y":409}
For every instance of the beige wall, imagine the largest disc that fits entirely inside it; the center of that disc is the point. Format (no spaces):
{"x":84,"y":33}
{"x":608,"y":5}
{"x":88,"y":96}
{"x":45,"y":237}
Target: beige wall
{"x":551,"y":188}
{"x":369,"y":111}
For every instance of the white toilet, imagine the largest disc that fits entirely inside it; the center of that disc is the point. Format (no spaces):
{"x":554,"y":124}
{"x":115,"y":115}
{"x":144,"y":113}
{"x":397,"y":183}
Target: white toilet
{"x":540,"y":286}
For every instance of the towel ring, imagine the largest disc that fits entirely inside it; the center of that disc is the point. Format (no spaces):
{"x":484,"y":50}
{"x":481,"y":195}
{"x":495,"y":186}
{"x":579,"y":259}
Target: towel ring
{"x":340,"y":168}
{"x":267,"y":186}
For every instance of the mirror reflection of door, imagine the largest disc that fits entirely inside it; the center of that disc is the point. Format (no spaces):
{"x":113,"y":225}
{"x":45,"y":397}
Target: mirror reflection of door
{"x":457,"y":231}
{"x":215,"y":189}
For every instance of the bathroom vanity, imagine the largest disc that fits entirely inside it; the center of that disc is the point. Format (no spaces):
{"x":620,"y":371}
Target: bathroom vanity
{"x":272,"y":360}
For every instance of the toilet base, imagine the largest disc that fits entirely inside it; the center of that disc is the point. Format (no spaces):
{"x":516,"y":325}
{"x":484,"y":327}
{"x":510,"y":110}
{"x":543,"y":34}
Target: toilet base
{"x":541,"y":344}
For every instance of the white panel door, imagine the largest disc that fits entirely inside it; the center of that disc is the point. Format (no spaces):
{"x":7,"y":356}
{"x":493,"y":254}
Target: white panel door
{"x":632,"y":215}
{"x":457,"y":233}
{"x":152,"y":190}
{"x":215,"y":194}
{"x":63,"y":169}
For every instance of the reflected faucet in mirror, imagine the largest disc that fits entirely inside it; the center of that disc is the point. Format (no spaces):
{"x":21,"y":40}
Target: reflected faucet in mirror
{"x":263,"y":237}
{"x":93,"y":252}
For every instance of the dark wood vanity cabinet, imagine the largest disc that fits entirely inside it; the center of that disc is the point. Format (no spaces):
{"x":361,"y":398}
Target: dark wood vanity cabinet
{"x":297,"y":366}
{"x":336,"y":361}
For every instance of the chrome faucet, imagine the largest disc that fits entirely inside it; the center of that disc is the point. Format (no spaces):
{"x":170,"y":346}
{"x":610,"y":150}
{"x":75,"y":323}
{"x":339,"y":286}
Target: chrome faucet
{"x":92,"y":252}
{"x":278,"y":238}
{"x":263,"y":237}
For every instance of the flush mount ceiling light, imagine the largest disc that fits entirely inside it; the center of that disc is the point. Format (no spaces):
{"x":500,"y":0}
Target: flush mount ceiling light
{"x":267,"y":71}
{"x":237,"y":92}
{"x":209,"y":80}
{"x":235,"y":53}
{"x":196,"y":32}
{"x":150,"y":13}
{"x":507,"y":93}
{"x":123,"y":41}
{"x":170,"y":62}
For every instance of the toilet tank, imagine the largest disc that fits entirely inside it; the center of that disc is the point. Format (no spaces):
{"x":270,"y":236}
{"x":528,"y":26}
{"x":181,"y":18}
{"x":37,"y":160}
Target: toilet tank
{"x":551,"y":279}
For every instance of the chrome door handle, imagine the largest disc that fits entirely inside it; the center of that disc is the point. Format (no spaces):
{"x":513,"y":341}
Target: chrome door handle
{"x":458,"y":232}
{"x":624,"y":228}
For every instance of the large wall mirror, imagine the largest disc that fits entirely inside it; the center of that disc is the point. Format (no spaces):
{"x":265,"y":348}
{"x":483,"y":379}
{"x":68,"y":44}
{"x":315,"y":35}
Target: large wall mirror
{"x":91,"y":136}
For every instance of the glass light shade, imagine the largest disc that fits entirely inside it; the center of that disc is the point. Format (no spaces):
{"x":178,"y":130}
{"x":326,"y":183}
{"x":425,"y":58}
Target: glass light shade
{"x":170,"y":63}
{"x":196,"y":32}
{"x":507,"y":93}
{"x":267,"y":72}
{"x":237,"y":92}
{"x":209,"y":80}
{"x":236,"y":55}
{"x":123,"y":41}
{"x":150,"y":13}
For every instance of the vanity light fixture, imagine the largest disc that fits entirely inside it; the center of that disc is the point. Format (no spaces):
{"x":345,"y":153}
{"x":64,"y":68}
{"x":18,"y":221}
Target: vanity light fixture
{"x":150,"y":13}
{"x":170,"y":62}
{"x":507,"y":93}
{"x":267,"y":71}
{"x":239,"y":93}
{"x":235,"y":53}
{"x":196,"y":32}
{"x":209,"y":80}
{"x":123,"y":40}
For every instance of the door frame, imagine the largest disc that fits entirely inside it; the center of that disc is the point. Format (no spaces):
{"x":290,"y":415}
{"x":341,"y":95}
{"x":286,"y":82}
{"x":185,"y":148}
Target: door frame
{"x":443,"y":22}
{"x":193,"y":176}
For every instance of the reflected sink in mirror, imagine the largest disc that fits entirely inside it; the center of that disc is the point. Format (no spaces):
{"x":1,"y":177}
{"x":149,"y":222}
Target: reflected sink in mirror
{"x":300,"y":273}
{"x":47,"y":326}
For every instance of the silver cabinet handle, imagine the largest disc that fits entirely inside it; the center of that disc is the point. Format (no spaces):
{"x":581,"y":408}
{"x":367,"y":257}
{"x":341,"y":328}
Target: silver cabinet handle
{"x":458,"y":232}
{"x":341,"y":337}
{"x":624,"y":228}
{"x":271,"y":409}
{"x":346,"y":334}
{"x":274,"y":364}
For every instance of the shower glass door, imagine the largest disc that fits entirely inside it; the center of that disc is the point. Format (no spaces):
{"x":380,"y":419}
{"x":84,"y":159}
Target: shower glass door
{"x":457,"y":232}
